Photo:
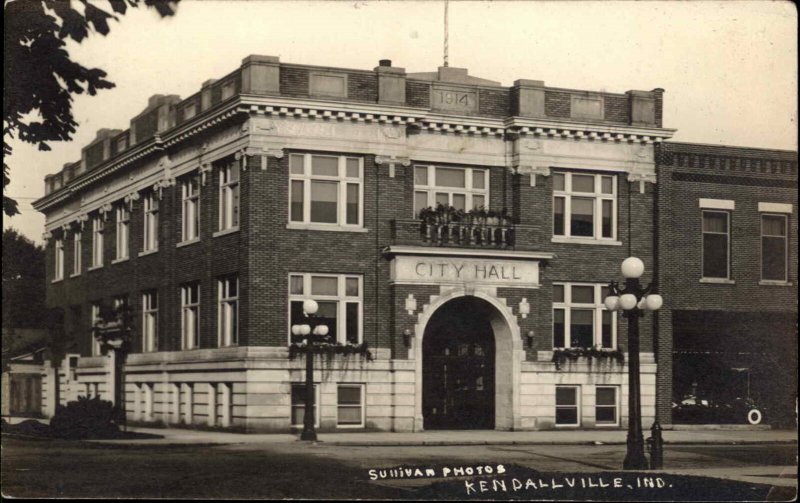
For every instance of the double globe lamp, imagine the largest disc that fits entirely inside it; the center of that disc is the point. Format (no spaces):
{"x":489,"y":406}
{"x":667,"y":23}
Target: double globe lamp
{"x":318,"y":332}
{"x":633,"y":301}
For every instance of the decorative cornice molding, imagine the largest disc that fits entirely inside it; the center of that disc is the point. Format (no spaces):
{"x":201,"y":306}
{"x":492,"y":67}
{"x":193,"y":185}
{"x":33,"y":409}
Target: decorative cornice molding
{"x":532,"y":171}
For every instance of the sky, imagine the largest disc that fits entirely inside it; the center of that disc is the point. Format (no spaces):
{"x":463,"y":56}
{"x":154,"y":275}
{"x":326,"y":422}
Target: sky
{"x":729,"y":68}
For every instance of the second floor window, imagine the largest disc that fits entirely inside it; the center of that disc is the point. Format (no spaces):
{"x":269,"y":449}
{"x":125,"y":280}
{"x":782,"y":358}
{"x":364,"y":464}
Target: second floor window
{"x":229,"y":197}
{"x":716,"y":244}
{"x":580,"y":320}
{"x":461,"y":188}
{"x":339,"y":299}
{"x":123,"y":229}
{"x":149,"y":321}
{"x":325,"y":189}
{"x":190,"y":316}
{"x":190,"y":193}
{"x":97,"y":241}
{"x":150,"y":222}
{"x":228,"y":311}
{"x":774,"y":249}
{"x":59,"y":260}
{"x":585,"y":205}
{"x":95,"y":317}
{"x":77,"y":251}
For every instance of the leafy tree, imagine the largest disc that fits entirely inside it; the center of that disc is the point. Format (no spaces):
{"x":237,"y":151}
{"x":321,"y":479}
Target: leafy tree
{"x":40,"y":78}
{"x":23,"y":282}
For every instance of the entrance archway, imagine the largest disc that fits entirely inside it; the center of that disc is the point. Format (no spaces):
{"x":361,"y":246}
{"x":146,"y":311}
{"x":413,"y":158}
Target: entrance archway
{"x":458,"y":366}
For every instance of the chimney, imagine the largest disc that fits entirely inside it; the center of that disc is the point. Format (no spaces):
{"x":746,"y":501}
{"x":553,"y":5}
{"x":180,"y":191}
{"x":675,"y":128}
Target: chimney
{"x":391,"y":83}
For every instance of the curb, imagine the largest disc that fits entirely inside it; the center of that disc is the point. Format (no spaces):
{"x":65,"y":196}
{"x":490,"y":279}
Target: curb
{"x":516,"y":442}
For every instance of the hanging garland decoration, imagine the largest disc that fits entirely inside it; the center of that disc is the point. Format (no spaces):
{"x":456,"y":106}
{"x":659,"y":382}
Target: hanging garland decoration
{"x":329,"y":349}
{"x":562,"y":355}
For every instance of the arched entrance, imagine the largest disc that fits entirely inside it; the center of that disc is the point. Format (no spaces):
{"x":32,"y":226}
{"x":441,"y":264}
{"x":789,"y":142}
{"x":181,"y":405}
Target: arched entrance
{"x":458,"y":366}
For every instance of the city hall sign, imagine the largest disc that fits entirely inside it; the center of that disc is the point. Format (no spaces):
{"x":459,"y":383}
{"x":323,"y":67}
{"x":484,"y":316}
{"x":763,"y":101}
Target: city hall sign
{"x":426,"y":270}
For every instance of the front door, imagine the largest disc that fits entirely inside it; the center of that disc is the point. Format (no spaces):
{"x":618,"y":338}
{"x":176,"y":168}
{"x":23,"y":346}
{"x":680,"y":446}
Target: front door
{"x":458,"y":368}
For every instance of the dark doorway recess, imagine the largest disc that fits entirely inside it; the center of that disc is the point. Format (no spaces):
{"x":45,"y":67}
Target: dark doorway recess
{"x":458,"y":367}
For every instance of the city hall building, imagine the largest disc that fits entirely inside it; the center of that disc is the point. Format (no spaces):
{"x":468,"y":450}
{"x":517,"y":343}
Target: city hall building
{"x":457,"y":235}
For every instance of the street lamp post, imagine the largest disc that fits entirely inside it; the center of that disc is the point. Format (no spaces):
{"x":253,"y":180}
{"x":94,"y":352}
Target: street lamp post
{"x":311,"y":334}
{"x":633,"y":300}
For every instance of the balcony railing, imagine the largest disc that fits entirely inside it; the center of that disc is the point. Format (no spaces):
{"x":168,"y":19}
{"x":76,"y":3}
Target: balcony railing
{"x":486,"y":235}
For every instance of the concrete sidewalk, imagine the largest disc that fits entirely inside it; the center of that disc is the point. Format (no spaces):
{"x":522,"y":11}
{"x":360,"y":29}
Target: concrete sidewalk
{"x":597,"y":437}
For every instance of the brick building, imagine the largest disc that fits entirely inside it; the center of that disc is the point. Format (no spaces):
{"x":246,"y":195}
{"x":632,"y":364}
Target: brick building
{"x":213,"y":217}
{"x":727,"y":269}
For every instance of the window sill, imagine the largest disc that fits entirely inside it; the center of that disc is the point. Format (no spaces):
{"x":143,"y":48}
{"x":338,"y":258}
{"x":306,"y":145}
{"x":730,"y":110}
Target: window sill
{"x":767,"y":282}
{"x":349,"y":426}
{"x":718,"y":281}
{"x":187,"y":243}
{"x":585,"y":241}
{"x":147,"y":252}
{"x":58,"y":280}
{"x":119,"y":260}
{"x":75,"y":275}
{"x":225,"y":232}
{"x":95,"y":267}
{"x":323,"y":227}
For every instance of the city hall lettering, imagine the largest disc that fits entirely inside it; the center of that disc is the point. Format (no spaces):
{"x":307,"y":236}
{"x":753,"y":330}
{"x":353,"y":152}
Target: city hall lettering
{"x":424,"y":270}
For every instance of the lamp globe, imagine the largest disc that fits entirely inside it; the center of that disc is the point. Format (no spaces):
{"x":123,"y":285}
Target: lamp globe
{"x":632,"y":267}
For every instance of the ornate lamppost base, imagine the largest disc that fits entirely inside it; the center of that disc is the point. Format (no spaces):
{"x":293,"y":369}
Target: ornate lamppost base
{"x":635,"y":458}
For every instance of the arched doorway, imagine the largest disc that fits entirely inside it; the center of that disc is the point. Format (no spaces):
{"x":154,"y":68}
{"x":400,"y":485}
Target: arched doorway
{"x":458,"y":366}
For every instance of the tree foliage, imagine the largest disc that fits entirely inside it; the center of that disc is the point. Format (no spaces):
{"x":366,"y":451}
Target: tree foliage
{"x":23,"y":282}
{"x":39,"y":76}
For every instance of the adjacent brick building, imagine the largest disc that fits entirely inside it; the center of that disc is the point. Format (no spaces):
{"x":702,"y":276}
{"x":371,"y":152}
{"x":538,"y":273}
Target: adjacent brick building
{"x":727,"y":268}
{"x":215,"y":216}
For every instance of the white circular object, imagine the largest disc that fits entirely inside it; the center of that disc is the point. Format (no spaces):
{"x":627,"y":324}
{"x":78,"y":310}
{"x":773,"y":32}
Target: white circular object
{"x":611,"y":302}
{"x":627,"y":301}
{"x":632,"y":267}
{"x":310,"y":306}
{"x":754,"y":416}
{"x":653,"y":302}
{"x":305,"y":329}
{"x":322,"y":330}
{"x":296,"y":330}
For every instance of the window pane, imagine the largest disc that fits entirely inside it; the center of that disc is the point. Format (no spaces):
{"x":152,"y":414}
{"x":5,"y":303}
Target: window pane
{"x":607,"y":335}
{"x":349,"y":395}
{"x":446,"y":177}
{"x":478,"y":201}
{"x":478,"y":179}
{"x":420,"y":201}
{"x":772,"y":225}
{"x":327,"y":316}
{"x":608,"y":208}
{"x":566,"y":396}
{"x":442,"y":199}
{"x":714,"y":221}
{"x":558,"y":328}
{"x":773,"y":258}
{"x":582,"y":221}
{"x":353,"y":170}
{"x":297,"y":201}
{"x":296,"y":164}
{"x":234,"y":175}
{"x":607,"y":185}
{"x":352,"y":203}
{"x":351,"y":322}
{"x":324,"y":200}
{"x":583,"y":294}
{"x":296,"y":316}
{"x":349,"y":415}
{"x":460,"y":201}
{"x":606,"y":415}
{"x":582,"y":183}
{"x":558,"y":181}
{"x":606,"y":396}
{"x":298,"y":413}
{"x":420,"y":175}
{"x":558,"y":216}
{"x":296,"y":287}
{"x":558,"y":293}
{"x":582,"y":328}
{"x":567,"y":415}
{"x":324,"y":285}
{"x":235,"y":203}
{"x":351,"y":287}
{"x":715,"y":255}
{"x":325,"y":166}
